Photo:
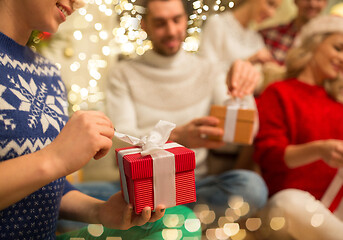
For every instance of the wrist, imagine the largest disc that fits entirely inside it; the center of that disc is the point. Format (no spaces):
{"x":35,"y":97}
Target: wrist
{"x":174,"y":135}
{"x":95,"y":214}
{"x":52,"y":164}
{"x":318,"y":148}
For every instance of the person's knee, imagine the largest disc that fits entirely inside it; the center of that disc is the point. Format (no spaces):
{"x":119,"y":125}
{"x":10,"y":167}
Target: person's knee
{"x":291,"y":201}
{"x":251,"y":187}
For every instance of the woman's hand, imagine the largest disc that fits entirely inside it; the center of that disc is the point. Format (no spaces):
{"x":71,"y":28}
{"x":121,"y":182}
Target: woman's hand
{"x":87,"y":134}
{"x":115,"y":213}
{"x":242,"y":79}
{"x":332,"y":152}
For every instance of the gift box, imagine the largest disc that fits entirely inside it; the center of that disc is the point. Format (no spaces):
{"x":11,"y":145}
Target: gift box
{"x":333,"y":196}
{"x":166,"y":176}
{"x":238,"y":123}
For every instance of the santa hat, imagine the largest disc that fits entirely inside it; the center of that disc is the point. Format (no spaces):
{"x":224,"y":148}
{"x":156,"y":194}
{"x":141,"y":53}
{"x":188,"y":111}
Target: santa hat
{"x":319,"y":25}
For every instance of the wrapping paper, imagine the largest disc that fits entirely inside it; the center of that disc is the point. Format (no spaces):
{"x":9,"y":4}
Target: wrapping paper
{"x":153,"y":158}
{"x":333,"y":196}
{"x":236,"y":120}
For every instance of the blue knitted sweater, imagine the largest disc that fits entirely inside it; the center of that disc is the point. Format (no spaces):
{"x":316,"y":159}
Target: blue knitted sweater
{"x":33,"y":110}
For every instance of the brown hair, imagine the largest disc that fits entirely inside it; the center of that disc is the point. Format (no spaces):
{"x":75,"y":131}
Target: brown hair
{"x":239,"y":3}
{"x":145,"y":4}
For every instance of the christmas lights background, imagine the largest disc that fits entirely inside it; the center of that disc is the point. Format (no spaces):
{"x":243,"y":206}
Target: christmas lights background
{"x":102,"y":33}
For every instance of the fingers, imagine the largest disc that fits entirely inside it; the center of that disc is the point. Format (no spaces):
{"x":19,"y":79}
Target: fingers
{"x":158,"y":214}
{"x":205,"y":131}
{"x":210,"y":131}
{"x":127,"y":216}
{"x":208,"y":120}
{"x":243,"y":80}
{"x":248,"y":83}
{"x":233,"y":76}
{"x":105,"y":131}
{"x":337,"y":158}
{"x":143,"y":218}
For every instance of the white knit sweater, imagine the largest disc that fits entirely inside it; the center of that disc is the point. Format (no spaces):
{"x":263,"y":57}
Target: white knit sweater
{"x":225,"y":40}
{"x":153,"y":87}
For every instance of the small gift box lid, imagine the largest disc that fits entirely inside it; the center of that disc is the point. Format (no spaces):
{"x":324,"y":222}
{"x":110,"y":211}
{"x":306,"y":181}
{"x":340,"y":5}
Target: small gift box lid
{"x":245,"y":118}
{"x":244,"y":115}
{"x":138,"y":167}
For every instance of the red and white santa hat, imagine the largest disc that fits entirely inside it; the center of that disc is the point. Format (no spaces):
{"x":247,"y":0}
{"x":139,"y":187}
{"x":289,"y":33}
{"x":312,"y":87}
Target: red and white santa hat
{"x":321,"y":24}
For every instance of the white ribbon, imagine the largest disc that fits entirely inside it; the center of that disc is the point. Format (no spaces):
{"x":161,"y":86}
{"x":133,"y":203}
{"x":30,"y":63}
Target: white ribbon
{"x":332,"y":192}
{"x":230,"y":123}
{"x":163,"y":161}
{"x":233,"y":105}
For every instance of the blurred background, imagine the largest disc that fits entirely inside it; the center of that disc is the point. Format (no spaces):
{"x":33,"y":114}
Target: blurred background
{"x":103,"y":32}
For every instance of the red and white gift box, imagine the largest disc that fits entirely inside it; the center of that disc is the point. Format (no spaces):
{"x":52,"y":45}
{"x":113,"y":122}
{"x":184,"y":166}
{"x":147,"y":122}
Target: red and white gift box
{"x":152,"y":175}
{"x":333,"y":196}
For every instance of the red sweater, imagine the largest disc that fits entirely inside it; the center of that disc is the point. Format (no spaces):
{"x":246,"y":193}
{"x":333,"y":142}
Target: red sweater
{"x":292,"y":112}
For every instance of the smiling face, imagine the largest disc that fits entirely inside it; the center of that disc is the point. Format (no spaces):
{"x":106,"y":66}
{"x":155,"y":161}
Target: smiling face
{"x":44,"y":15}
{"x":335,"y":88}
{"x":327,"y":61}
{"x":264,"y":9}
{"x":165,"y":24}
{"x":308,"y":9}
{"x":52,"y":14}
{"x":20,"y":18}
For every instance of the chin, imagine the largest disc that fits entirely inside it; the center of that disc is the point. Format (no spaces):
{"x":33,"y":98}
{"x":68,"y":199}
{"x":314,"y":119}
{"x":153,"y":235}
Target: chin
{"x":170,"y":52}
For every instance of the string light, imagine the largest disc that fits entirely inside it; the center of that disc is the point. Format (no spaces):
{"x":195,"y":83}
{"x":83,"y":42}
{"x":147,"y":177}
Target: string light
{"x":126,"y":39}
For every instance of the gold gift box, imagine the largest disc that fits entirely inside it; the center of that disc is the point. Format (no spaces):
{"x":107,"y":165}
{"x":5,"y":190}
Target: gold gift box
{"x":244,"y":124}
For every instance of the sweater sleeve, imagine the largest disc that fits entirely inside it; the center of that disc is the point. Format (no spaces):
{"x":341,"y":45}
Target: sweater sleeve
{"x":211,"y":40}
{"x":272,"y":138}
{"x":68,"y":187}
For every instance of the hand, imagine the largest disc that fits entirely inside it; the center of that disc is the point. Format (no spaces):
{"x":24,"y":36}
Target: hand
{"x":194,"y":134}
{"x":242,"y":78}
{"x":87,"y":134}
{"x":117,"y":214}
{"x":262,"y":56}
{"x":331,"y":152}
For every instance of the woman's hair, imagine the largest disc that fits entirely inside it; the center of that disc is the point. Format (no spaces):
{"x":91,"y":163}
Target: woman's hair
{"x":306,"y":42}
{"x":298,"y":57}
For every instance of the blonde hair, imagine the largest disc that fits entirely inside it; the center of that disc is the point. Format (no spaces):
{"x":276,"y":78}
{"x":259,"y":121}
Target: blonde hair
{"x":298,"y":57}
{"x":309,"y":38}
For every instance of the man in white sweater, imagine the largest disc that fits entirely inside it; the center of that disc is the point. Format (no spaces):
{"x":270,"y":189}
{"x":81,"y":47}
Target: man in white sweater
{"x":167,"y":83}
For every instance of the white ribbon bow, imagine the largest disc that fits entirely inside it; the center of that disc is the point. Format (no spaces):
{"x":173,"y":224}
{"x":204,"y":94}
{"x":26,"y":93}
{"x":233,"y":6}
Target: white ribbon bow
{"x":152,"y":142}
{"x":163,"y":161}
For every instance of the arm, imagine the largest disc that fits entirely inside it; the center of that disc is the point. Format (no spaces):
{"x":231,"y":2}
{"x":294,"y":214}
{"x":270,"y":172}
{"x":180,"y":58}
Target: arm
{"x":273,"y":148}
{"x":114,"y":213}
{"x":210,"y":42}
{"x":261,"y":56}
{"x":86,"y":135}
{"x":331,"y":151}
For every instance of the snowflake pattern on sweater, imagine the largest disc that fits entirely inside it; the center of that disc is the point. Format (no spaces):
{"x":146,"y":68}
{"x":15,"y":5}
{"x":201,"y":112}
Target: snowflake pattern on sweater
{"x":33,"y":110}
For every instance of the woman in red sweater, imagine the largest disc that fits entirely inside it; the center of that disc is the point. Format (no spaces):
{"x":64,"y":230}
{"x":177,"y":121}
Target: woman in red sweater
{"x":300,"y":143}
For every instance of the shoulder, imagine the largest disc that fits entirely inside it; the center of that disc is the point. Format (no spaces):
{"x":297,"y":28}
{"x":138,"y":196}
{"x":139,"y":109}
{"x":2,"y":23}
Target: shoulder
{"x":216,"y":20}
{"x":282,"y":88}
{"x":282,"y":28}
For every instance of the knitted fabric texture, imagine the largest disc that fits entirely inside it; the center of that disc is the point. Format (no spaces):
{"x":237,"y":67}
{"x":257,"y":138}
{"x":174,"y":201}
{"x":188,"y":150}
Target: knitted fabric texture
{"x":319,"y":25}
{"x":291,"y":113}
{"x":33,"y":110}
